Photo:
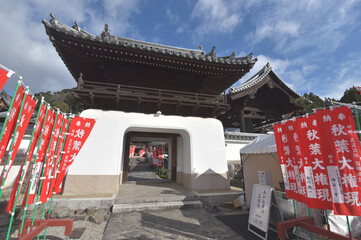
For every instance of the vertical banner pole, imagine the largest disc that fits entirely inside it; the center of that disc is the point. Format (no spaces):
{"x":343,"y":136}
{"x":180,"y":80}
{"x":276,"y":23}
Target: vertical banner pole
{"x":309,"y":215}
{"x":11,"y":104}
{"x":22,"y":176}
{"x":349,"y":227}
{"x":7,"y":116}
{"x":295,"y":214}
{"x":12,"y":144}
{"x":55,"y":168}
{"x":42,"y":175}
{"x":328,"y":224}
{"x":31,"y":176}
{"x":357,"y":120}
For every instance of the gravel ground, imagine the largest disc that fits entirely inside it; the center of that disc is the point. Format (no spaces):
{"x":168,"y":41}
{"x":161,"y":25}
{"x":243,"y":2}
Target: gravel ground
{"x":92,"y":232}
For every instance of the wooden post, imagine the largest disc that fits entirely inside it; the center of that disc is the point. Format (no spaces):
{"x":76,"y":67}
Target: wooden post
{"x":126,"y":158}
{"x":174,"y":158}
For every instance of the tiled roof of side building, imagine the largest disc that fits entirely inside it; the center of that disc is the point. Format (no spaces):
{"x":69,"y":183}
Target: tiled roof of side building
{"x":106,"y":37}
{"x":258,"y":77}
{"x":240,"y":136}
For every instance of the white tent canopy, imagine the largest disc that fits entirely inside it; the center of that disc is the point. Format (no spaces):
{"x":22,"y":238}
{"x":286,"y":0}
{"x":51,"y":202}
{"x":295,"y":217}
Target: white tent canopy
{"x":262,"y":144}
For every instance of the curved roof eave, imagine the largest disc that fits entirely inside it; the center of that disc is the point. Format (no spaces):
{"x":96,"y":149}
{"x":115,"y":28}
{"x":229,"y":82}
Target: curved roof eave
{"x":258,"y":78}
{"x":113,"y":40}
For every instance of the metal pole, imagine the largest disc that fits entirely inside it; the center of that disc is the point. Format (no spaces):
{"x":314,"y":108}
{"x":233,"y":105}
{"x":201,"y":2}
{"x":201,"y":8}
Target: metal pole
{"x":309,"y":215}
{"x":6,"y":166}
{"x":56,"y":170}
{"x":22,"y":177}
{"x":34,"y":163}
{"x":295,"y":215}
{"x":42,"y":175}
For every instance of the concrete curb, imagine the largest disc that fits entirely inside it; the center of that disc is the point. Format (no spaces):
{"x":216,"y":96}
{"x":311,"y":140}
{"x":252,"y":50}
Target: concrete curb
{"x":155,"y":206}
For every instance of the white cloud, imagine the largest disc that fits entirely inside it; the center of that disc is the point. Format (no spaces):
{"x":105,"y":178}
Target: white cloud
{"x":216,"y":16}
{"x":26,"y":48}
{"x":344,"y":76}
{"x":293,"y":26}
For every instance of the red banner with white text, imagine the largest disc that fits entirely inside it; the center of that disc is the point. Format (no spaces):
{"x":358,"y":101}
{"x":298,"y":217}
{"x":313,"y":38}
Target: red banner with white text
{"x":27,"y":159}
{"x":11,"y":120}
{"x":79,"y":131}
{"x":343,"y":157}
{"x":331,"y":153}
{"x":49,"y":158}
{"x":57,"y":158}
{"x":41,"y":153}
{"x":22,"y":124}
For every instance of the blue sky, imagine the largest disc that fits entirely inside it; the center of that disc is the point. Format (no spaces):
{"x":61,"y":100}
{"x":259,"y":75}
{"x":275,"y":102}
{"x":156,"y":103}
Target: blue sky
{"x":313,"y":45}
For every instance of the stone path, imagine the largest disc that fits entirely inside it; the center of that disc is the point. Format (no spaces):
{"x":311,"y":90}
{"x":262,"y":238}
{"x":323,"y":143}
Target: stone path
{"x":153,"y":192}
{"x":175,"y":224}
{"x":142,"y":170}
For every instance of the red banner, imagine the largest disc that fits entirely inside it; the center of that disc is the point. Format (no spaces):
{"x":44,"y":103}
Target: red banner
{"x":4,"y":76}
{"x":314,"y":170}
{"x":331,"y":159}
{"x":11,"y":121}
{"x":343,"y":158}
{"x":22,"y":124}
{"x":43,"y":146}
{"x":132,"y":151}
{"x":142,"y":152}
{"x":79,"y":131}
{"x":49,"y":158}
{"x":57,"y":158}
{"x":27,"y":159}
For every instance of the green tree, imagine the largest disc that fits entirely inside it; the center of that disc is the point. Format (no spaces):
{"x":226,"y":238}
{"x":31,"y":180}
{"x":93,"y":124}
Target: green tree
{"x":309,"y":101}
{"x":61,"y":105}
{"x":64,"y":100}
{"x":351,"y":95}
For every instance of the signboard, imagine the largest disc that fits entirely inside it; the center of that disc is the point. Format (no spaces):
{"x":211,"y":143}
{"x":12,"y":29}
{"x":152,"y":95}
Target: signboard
{"x":264,"y":210}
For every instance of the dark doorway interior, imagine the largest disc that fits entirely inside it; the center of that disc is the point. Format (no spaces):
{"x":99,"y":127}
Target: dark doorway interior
{"x":147,"y":157}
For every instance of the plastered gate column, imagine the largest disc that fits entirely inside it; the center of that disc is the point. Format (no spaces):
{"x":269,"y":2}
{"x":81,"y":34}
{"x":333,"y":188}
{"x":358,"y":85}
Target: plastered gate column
{"x":97,"y":170}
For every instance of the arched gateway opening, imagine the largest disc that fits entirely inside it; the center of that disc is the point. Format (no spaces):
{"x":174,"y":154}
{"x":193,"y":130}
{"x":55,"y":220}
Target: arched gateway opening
{"x":139,"y":162}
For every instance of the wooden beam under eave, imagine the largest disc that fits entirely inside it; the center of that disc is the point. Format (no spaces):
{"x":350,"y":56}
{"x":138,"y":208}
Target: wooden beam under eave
{"x":117,"y":101}
{"x":178,"y":107}
{"x":138,"y":103}
{"x":91,"y":98}
{"x":215,"y":110}
{"x":159,"y":104}
{"x":195,"y":108}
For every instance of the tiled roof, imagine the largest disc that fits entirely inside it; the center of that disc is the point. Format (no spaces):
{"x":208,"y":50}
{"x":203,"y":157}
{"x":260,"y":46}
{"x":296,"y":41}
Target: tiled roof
{"x":257,"y":78}
{"x":106,"y":37}
{"x":240,"y":136}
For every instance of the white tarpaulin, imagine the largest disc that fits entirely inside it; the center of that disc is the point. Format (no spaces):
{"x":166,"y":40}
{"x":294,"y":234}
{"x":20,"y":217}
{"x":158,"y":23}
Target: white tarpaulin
{"x":262,"y":144}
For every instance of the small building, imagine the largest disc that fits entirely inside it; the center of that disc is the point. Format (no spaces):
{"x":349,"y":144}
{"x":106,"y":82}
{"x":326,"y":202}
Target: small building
{"x":261,"y":100}
{"x":139,"y":89}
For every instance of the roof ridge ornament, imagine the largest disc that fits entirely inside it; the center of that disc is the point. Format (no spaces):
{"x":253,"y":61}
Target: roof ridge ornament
{"x":249,"y":56}
{"x":212,"y":53}
{"x":105,"y":35}
{"x":201,"y":48}
{"x":232,"y":56}
{"x":76,"y":26}
{"x":53,"y":20}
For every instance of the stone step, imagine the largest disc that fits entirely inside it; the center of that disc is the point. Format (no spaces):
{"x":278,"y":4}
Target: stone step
{"x":158,"y":199}
{"x":155,"y":206}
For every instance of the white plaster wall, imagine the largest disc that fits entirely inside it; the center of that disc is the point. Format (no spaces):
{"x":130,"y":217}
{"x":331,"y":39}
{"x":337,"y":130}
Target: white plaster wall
{"x":232,"y":150}
{"x":201,"y":141}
